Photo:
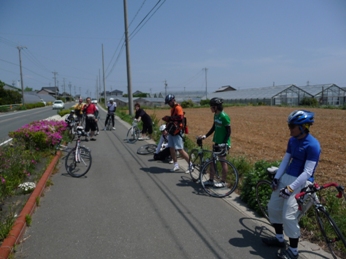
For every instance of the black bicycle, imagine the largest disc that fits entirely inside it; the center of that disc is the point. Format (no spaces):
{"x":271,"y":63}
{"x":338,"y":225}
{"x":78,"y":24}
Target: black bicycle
{"x":78,"y":160}
{"x":147,"y":149}
{"x":197,"y":157}
{"x":264,"y":191}
{"x":109,"y":121}
{"x":213,"y":165}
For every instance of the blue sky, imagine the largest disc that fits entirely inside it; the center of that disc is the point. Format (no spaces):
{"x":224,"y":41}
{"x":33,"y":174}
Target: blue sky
{"x":250,"y":43}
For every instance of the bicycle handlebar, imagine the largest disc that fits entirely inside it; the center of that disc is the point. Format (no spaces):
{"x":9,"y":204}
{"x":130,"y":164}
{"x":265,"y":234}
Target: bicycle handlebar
{"x":315,"y":188}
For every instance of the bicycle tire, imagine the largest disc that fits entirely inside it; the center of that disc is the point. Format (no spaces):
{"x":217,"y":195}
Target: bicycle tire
{"x":232,"y":178}
{"x":108,"y":126}
{"x":147,"y":149}
{"x":78,"y":169}
{"x":82,"y":121}
{"x":195,"y":159}
{"x":330,"y":231}
{"x":132,"y":134}
{"x":71,"y":134}
{"x":263,"y":193}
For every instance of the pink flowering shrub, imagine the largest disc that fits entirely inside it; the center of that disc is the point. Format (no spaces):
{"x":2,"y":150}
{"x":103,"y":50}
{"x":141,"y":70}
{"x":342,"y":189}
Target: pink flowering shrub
{"x":40,"y":134}
{"x":30,"y":142}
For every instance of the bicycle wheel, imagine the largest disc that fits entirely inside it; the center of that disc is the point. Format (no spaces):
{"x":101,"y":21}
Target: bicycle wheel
{"x":132,"y":134}
{"x":219,"y":189}
{"x":108,"y":126}
{"x":330,"y":231}
{"x":75,"y":168}
{"x":82,"y":121}
{"x":147,"y":149}
{"x":263,"y":193}
{"x":195,"y":159}
{"x":71,"y":133}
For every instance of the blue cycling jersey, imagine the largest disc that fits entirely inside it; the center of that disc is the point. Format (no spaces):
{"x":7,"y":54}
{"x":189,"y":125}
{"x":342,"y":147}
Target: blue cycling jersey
{"x":301,"y":150}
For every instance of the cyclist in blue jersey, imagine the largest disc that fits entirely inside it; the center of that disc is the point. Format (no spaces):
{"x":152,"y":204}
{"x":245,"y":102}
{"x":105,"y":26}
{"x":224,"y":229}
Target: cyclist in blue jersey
{"x":297,"y":167}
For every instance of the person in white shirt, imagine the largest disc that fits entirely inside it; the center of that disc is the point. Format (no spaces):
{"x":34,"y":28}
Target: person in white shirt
{"x":111,"y":108}
{"x":162,"y":151}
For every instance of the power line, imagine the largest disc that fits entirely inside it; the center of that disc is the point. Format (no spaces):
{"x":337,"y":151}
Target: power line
{"x":8,"y":42}
{"x":135,"y":31}
{"x":122,"y":42}
{"x":188,"y":81}
{"x":35,"y":61}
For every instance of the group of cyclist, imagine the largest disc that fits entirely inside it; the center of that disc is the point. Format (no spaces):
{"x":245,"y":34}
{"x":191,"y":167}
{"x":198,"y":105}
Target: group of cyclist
{"x":88,"y":113}
{"x":295,"y":171}
{"x":297,"y":167}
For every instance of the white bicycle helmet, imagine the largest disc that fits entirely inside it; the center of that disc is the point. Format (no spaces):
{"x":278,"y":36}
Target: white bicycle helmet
{"x":162,"y":127}
{"x":111,"y":99}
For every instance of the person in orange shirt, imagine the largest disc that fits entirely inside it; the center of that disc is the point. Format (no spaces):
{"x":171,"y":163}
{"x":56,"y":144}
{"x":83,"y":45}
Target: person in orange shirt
{"x":174,"y":127}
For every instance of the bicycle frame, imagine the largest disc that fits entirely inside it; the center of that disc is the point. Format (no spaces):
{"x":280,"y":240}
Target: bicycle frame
{"x":215,"y":157}
{"x":311,"y":190}
{"x":77,"y":153}
{"x":133,"y":133}
{"x":219,"y":177}
{"x":78,"y":160}
{"x":202,"y":153}
{"x":330,"y":231}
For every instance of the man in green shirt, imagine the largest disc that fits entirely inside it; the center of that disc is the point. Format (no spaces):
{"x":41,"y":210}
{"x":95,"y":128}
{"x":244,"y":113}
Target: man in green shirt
{"x":222,"y":135}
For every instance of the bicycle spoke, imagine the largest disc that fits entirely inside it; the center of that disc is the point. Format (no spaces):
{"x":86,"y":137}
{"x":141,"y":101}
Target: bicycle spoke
{"x":330,"y":232}
{"x":78,"y":169}
{"x":195,"y":159}
{"x":147,"y":149}
{"x":132,"y":134}
{"x":221,"y":170}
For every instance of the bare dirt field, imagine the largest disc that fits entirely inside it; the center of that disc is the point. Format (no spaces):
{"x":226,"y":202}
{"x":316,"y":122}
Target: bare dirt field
{"x":261,"y":133}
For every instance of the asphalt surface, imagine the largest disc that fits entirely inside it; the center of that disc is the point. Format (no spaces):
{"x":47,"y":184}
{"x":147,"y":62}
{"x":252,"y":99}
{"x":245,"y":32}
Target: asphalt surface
{"x":129,"y":206}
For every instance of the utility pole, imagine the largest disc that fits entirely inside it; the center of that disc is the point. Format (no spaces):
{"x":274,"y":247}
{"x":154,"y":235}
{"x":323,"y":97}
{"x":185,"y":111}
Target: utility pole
{"x":21,"y":72}
{"x":97,"y":88}
{"x":166,"y":88}
{"x":104,"y":78}
{"x":57,"y":90}
{"x":127,"y":43}
{"x":99,"y":84}
{"x":206,"y":83}
{"x":64,"y":88}
{"x":69,"y":86}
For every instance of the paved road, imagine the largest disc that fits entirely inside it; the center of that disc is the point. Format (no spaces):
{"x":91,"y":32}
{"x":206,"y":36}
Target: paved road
{"x":12,"y":121}
{"x":129,"y":206}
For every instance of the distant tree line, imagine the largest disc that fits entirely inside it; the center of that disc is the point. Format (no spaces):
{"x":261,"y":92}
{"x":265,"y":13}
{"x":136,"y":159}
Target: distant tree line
{"x":9,"y":96}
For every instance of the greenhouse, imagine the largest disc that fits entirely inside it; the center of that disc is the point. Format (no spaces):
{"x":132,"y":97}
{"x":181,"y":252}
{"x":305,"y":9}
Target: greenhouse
{"x":325,"y":94}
